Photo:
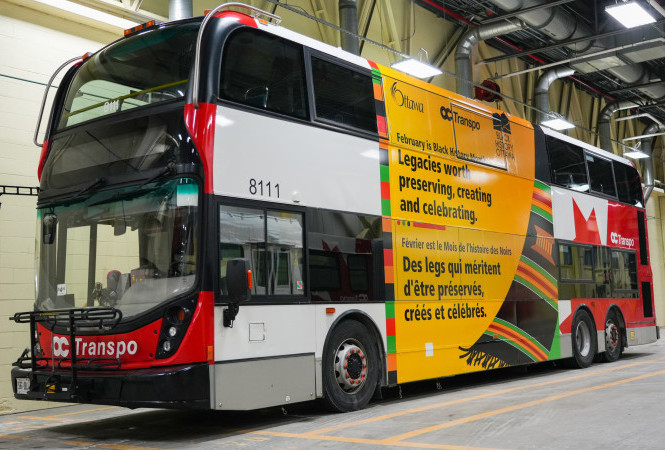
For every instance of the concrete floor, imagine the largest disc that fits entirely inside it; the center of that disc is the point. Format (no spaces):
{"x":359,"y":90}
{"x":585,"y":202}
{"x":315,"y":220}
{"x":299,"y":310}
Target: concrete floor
{"x":605,"y":406}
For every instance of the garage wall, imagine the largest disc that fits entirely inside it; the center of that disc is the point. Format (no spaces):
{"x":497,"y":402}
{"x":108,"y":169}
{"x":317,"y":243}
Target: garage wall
{"x":32,"y":46}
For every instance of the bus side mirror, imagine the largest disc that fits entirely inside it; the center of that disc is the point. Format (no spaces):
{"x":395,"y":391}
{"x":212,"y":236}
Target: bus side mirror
{"x":239,"y":287}
{"x":239,"y":280}
{"x":49,"y":228}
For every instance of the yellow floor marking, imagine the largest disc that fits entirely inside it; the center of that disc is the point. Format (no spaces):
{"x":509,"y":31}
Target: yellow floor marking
{"x":350,"y":440}
{"x":57,"y":417}
{"x":452,"y":423}
{"x":11,"y":436}
{"x":87,"y":411}
{"x":476,"y":397}
{"x":111,"y":446}
{"x":54,"y":419}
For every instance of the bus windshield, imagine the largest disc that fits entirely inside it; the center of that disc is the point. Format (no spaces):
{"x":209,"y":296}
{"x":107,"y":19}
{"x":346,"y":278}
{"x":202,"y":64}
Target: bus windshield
{"x":147,"y":68}
{"x":130,"y":248}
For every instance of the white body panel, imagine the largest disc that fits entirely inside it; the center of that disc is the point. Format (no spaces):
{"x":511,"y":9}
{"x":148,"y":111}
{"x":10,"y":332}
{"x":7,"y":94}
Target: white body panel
{"x":348,"y":163}
{"x":273,"y":353}
{"x":564,"y":216}
{"x":261,"y":331}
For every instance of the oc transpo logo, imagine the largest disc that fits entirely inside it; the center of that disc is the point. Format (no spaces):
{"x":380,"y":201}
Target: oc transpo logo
{"x":111,"y":349}
{"x":404,"y":101}
{"x":59,"y":346}
{"x":617,"y":239}
{"x":452,"y":116}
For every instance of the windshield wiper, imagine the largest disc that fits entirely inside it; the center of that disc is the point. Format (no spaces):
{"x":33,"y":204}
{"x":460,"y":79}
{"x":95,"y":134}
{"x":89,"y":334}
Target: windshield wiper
{"x":99,"y":181}
{"x":92,"y":186}
{"x":137,"y":191}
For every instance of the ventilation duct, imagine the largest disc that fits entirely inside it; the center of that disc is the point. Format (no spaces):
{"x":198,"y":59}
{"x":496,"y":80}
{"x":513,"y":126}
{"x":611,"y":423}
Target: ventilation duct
{"x":604,"y":117}
{"x":469,"y":40}
{"x":542,"y":98}
{"x":646,"y":146}
{"x":561,"y":25}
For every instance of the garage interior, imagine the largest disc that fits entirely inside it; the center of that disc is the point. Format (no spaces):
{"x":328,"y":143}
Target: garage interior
{"x":536,"y":59}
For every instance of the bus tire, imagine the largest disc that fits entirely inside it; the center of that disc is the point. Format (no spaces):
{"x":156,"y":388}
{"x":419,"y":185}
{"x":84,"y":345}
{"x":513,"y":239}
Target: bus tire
{"x":350,"y":367}
{"x":613,"y":340}
{"x":583,"y":337}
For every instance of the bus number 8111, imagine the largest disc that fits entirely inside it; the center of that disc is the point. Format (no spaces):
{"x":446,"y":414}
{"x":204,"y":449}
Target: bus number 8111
{"x":263,"y":189}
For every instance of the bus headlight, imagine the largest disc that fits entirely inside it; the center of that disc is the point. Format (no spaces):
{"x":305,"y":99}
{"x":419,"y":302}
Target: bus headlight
{"x":174,"y":325}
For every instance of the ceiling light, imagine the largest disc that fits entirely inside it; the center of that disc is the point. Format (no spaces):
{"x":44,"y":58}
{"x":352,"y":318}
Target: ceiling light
{"x":90,"y":13}
{"x":635,"y":154}
{"x":417,"y":67}
{"x":557,"y":122}
{"x":630,"y":14}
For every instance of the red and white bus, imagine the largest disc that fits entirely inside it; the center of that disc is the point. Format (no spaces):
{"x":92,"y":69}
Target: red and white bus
{"x":236,"y":216}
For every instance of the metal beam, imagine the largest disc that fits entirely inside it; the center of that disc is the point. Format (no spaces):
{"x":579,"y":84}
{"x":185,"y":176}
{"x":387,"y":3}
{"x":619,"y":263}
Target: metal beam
{"x":564,"y":43}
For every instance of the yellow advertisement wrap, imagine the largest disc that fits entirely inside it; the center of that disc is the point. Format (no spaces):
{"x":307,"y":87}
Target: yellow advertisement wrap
{"x":460,"y":193}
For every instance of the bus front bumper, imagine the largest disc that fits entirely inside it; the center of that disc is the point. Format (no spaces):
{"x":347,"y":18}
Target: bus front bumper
{"x":182,"y":387}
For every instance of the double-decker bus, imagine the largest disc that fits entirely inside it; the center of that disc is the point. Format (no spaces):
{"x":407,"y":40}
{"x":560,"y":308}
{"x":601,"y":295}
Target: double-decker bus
{"x":234,"y":216}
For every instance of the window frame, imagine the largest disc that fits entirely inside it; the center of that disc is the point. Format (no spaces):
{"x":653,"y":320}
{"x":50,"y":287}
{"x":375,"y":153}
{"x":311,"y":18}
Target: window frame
{"x":266,"y":207}
{"x":588,"y":174}
{"x":314,"y":118}
{"x":256,"y":109}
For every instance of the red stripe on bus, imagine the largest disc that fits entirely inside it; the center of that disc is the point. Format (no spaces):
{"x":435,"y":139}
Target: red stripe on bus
{"x":385,"y":190}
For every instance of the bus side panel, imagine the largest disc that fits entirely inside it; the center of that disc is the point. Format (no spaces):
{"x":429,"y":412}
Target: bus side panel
{"x":272,"y":354}
{"x":266,"y":358}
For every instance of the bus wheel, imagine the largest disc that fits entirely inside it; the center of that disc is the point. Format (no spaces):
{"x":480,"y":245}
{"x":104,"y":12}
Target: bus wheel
{"x":350,"y":367}
{"x":583,"y":338}
{"x":613,"y":345}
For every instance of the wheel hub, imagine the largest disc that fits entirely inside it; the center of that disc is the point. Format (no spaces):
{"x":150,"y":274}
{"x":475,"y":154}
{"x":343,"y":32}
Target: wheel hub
{"x":611,"y":336}
{"x":583,"y":338}
{"x":350,"y":367}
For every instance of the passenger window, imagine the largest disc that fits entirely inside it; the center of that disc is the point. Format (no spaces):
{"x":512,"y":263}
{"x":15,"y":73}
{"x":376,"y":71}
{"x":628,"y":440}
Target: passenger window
{"x":343,"y":96}
{"x":265,"y":72}
{"x":624,"y":273}
{"x":567,"y":165}
{"x":272,"y":241}
{"x":576,"y":271}
{"x":629,"y":186}
{"x":345,"y":257}
{"x":600,"y":175}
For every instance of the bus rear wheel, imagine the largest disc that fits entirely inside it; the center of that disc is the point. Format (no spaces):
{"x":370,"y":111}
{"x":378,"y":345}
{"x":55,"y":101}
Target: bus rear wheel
{"x":583,"y":337}
{"x":350,"y":367}
{"x":613,"y":344}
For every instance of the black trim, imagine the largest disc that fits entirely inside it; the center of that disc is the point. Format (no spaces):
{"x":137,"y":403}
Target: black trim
{"x":263,"y":358}
{"x":642,"y":236}
{"x":186,"y":387}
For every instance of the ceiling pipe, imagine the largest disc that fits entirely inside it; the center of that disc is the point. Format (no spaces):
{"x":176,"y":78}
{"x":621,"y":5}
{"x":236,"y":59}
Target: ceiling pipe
{"x":348,"y":20}
{"x":560,"y":25}
{"x":180,"y":9}
{"x":469,"y":40}
{"x":604,"y":129}
{"x":646,"y":146}
{"x":542,"y":97}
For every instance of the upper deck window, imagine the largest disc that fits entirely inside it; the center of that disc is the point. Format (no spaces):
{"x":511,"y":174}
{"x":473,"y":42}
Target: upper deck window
{"x":264,"y":71}
{"x":601,"y":175}
{"x":567,"y":165}
{"x":629,"y":187}
{"x":143,"y":69}
{"x":343,"y":96}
